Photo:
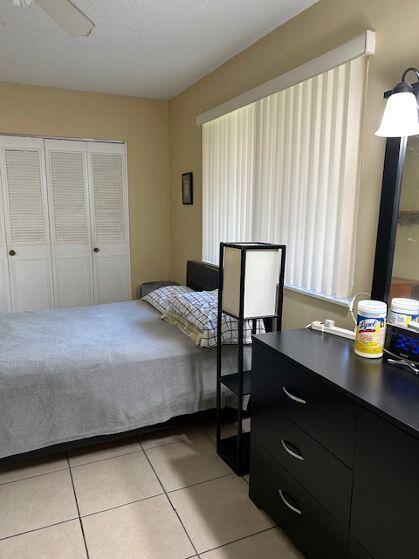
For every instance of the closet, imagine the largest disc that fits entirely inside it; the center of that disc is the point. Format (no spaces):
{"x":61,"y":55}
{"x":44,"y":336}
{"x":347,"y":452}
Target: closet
{"x":64,"y":238}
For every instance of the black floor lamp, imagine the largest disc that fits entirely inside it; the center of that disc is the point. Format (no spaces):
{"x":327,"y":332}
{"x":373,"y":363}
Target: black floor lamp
{"x":251,"y":285}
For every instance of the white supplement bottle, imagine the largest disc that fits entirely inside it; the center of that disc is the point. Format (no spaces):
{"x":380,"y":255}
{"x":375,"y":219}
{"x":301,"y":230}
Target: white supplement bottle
{"x":403,"y":311}
{"x":370,"y":329}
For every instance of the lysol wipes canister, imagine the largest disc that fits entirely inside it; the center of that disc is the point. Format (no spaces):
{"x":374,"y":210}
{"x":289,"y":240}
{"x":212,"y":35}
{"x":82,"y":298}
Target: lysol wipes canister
{"x":370,"y":329}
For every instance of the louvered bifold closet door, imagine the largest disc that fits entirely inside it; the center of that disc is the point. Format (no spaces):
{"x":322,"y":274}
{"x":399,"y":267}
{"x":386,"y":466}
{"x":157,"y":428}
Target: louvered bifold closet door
{"x":5,"y":303}
{"x":25,"y":214}
{"x":71,"y":246}
{"x":109,"y":211}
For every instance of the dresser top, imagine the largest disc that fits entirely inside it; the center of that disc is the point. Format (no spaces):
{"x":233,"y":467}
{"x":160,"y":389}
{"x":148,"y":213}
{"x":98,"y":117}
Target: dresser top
{"x":390,"y":391}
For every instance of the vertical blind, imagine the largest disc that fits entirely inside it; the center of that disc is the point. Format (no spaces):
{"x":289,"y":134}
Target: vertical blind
{"x":285,"y":169}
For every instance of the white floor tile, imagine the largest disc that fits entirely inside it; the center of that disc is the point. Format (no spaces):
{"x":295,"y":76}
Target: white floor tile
{"x":148,"y":529}
{"x":185,"y":463}
{"x":175,"y":434}
{"x":63,"y":541}
{"x":34,"y":467}
{"x":218,"y":512}
{"x":271,"y":544}
{"x":113,"y":482}
{"x":36,"y":502}
{"x":102,"y":451}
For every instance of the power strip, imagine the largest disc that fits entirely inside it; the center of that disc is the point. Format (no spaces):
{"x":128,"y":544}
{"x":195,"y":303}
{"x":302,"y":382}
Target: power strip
{"x":328,"y":326}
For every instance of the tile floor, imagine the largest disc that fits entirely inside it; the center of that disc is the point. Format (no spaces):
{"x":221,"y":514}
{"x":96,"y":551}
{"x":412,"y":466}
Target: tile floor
{"x":164,"y":496}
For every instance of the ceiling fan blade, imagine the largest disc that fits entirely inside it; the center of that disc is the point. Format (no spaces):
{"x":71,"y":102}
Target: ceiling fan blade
{"x":68,"y":16}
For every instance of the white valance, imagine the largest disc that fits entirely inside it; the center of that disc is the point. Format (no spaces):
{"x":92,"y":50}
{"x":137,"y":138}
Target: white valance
{"x":362,"y":45}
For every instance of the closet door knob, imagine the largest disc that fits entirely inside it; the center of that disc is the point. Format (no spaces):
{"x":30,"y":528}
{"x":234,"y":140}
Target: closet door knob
{"x":95,"y":249}
{"x":12,"y":253}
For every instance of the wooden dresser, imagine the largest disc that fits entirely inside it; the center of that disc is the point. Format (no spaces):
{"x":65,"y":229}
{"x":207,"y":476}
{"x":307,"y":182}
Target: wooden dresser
{"x":335,"y":447}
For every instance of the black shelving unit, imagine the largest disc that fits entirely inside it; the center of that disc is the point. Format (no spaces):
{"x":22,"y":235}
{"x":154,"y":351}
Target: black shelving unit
{"x":234,"y":450}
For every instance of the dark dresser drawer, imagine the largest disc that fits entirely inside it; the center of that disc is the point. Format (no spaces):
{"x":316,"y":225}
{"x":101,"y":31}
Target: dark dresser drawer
{"x":356,"y":551}
{"x":381,"y":527}
{"x":321,"y":473}
{"x":389,"y":458}
{"x":318,"y":408}
{"x":310,"y":527}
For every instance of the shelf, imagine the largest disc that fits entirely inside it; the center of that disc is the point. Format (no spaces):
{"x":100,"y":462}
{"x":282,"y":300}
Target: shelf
{"x":232,"y":382}
{"x":227,"y":450}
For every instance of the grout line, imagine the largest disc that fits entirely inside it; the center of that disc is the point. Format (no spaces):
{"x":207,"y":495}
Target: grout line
{"x":108,"y":458}
{"x":123,"y":505}
{"x":200,"y":483}
{"x":171,"y":504}
{"x":77,"y":505}
{"x":66,"y":467}
{"x":40,"y":528}
{"x":211,"y":439}
{"x":182,"y":524}
{"x":173,"y":442}
{"x":240,"y":539}
{"x":166,"y":493}
{"x":151,"y":496}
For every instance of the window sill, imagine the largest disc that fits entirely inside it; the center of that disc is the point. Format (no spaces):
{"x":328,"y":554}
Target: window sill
{"x":341,"y":302}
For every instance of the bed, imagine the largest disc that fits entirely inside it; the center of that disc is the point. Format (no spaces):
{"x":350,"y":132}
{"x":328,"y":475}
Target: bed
{"x":72,"y":374}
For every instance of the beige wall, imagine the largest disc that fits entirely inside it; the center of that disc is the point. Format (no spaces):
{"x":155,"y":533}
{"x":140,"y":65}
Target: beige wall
{"x":140,"y":122}
{"x":321,"y":28}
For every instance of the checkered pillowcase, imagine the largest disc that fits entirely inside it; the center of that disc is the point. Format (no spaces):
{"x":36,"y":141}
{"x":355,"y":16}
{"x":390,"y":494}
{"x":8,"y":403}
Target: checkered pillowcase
{"x":160,"y":298}
{"x":200,"y":308}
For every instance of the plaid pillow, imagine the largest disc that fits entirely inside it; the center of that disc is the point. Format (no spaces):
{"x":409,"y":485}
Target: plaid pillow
{"x":200,"y":309}
{"x":160,"y":298}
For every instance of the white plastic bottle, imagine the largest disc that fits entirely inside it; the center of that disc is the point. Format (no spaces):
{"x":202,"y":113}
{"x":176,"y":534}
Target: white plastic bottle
{"x":370,"y":329}
{"x":403,"y":311}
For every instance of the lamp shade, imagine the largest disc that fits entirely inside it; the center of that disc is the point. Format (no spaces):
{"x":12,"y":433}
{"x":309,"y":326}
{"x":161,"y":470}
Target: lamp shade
{"x":400,"y":116}
{"x":257,"y":266}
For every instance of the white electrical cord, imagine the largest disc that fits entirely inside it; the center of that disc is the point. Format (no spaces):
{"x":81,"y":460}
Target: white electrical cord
{"x":351,"y":304}
{"x":351,"y":308}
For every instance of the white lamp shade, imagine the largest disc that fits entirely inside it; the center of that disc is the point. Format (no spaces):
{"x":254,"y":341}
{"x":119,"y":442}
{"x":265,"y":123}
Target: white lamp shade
{"x":261,"y":280}
{"x":400,"y":116}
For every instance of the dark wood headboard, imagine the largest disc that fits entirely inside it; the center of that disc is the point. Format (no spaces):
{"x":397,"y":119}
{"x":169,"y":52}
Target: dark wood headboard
{"x":201,"y":276}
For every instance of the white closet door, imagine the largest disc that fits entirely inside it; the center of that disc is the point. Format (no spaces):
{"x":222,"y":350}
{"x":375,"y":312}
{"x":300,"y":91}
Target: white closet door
{"x":69,"y":222}
{"x":109,"y":210}
{"x":26,"y":223}
{"x":4,"y":265}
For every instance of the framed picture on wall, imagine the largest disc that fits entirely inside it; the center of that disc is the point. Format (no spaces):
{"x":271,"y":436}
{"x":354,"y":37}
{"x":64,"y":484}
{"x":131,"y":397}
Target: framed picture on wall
{"x":187,"y":188}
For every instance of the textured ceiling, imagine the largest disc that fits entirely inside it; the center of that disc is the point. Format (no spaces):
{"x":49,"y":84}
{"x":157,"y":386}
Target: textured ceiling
{"x":144,"y":48}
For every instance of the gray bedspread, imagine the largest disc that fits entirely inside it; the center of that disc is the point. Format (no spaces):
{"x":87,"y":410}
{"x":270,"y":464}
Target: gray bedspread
{"x":69,"y":374}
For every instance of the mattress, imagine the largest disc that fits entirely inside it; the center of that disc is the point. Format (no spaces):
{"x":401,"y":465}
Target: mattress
{"x":69,"y":374}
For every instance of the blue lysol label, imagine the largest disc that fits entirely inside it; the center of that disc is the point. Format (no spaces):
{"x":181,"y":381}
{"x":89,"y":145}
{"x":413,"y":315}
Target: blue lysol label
{"x":367,"y":324}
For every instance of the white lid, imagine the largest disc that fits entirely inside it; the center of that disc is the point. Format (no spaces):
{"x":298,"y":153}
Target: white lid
{"x":372,"y":307}
{"x":411,"y":305}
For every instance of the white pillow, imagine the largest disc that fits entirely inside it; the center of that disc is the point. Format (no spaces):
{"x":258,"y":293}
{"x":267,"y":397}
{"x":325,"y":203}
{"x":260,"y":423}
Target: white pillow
{"x":160,"y":298}
{"x":200,"y":308}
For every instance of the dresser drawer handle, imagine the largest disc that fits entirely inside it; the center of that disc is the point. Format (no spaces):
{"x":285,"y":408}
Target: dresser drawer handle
{"x":292,"y":451}
{"x":287,"y":503}
{"x":293,"y":396}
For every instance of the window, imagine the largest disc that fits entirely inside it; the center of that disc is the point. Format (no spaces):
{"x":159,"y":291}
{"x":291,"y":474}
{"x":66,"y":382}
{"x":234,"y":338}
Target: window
{"x":285,"y":169}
